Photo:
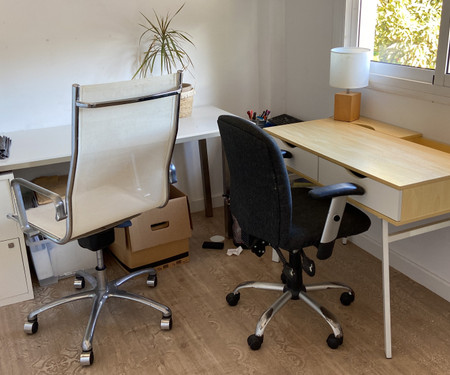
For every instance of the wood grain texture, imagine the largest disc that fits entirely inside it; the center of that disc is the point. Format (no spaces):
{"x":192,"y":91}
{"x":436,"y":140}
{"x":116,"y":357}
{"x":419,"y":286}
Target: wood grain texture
{"x":389,"y":129}
{"x":209,"y":337}
{"x":393,"y":161}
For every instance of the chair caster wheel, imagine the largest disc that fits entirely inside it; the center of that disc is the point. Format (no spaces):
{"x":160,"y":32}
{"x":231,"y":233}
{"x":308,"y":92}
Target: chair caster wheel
{"x":347,"y":298}
{"x":152,"y":280}
{"x":79,"y":282}
{"x":166,"y":323}
{"x":233,"y":299}
{"x":254,"y":341}
{"x":87,"y":358}
{"x":31,"y":328}
{"x":334,"y":342}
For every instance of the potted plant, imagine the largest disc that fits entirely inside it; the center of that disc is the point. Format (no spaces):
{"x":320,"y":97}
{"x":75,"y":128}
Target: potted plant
{"x":164,"y":48}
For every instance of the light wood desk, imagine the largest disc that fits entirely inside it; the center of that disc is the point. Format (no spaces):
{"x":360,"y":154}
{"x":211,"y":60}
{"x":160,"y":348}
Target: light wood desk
{"x":404,"y":181}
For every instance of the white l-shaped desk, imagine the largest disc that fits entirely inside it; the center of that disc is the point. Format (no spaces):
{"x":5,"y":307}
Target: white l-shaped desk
{"x":44,"y":146}
{"x":48,"y":146}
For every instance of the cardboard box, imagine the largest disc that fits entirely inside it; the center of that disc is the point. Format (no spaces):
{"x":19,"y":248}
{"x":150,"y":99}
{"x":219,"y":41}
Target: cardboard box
{"x":156,"y":237}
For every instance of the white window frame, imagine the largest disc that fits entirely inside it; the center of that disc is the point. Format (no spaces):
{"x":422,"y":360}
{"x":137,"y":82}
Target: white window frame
{"x":433,"y":85}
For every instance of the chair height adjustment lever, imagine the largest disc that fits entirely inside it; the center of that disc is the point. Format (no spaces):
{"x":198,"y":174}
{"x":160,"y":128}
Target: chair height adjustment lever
{"x":308,"y":265}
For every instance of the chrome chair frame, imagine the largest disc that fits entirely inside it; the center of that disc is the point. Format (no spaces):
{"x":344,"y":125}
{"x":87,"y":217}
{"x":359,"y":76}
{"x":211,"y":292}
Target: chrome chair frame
{"x":101,"y":288}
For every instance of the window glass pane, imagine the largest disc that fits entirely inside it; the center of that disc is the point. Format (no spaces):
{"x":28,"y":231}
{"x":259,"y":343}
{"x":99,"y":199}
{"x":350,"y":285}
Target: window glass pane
{"x":407,"y":32}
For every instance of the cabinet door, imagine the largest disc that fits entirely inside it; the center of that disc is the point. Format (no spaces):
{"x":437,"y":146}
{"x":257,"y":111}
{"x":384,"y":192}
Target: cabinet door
{"x":13,"y":278}
{"x":9,"y":228}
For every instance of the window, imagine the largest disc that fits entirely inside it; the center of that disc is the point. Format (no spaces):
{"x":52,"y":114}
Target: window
{"x":409,"y":40}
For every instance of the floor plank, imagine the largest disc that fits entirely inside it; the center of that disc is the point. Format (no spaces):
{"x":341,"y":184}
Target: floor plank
{"x":209,"y":337}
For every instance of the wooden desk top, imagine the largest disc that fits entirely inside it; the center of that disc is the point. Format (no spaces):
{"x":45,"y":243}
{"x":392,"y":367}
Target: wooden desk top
{"x":392,"y":161}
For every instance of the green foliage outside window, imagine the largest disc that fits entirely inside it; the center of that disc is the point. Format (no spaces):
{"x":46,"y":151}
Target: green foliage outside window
{"x":407,"y":32}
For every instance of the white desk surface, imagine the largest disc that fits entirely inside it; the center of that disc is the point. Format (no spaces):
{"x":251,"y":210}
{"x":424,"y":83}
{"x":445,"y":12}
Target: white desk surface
{"x":44,"y":146}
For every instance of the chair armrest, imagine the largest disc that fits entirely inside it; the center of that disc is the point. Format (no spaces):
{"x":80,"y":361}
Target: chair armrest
{"x":336,"y":190}
{"x":60,"y":211}
{"x":338,"y":194}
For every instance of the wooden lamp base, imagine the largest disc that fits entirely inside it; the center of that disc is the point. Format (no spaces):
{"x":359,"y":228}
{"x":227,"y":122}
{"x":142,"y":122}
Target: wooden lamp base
{"x":347,"y":106}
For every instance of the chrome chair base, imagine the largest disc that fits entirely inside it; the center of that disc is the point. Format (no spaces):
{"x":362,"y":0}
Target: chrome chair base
{"x":101,"y":290}
{"x":255,"y":341}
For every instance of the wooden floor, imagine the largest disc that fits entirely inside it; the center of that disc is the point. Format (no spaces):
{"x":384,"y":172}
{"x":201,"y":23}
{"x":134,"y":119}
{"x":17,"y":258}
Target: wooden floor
{"x":209,"y":337}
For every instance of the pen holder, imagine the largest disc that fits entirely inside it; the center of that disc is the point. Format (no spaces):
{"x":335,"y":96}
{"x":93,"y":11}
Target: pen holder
{"x":260,"y":122}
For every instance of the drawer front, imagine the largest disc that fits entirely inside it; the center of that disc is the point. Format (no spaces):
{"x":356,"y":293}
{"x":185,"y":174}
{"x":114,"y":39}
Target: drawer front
{"x":302,"y":161}
{"x":9,"y":228}
{"x":379,"y":197}
{"x":13,"y":280}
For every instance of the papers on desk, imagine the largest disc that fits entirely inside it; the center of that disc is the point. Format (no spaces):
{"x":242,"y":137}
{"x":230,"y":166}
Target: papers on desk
{"x":5,"y":142}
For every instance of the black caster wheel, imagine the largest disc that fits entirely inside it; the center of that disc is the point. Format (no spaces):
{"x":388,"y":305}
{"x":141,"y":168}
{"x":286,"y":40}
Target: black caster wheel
{"x":334,"y":342}
{"x":166,"y":323}
{"x":347,"y":298}
{"x":152,"y":280}
{"x":283,"y":278}
{"x":87,"y":358}
{"x":254,"y":341}
{"x":79,"y":282}
{"x":31,"y":327}
{"x":233,"y":299}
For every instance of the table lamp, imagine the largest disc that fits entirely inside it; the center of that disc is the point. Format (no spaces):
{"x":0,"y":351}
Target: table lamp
{"x":349,"y":69}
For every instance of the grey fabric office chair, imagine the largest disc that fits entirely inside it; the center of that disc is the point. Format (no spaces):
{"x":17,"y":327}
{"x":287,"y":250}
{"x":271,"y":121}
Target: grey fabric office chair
{"x":269,"y":212}
{"x":123,"y":136}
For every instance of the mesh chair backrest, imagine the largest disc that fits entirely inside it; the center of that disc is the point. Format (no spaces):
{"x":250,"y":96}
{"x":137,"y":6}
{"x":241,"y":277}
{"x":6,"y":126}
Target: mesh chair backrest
{"x":260,"y":195}
{"x":121,"y":153}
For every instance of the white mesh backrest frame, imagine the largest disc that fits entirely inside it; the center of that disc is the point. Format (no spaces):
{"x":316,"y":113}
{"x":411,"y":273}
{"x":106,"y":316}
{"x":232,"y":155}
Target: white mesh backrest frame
{"x":120,"y":153}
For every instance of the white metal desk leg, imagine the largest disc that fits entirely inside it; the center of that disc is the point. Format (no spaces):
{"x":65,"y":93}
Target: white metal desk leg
{"x":386,"y":292}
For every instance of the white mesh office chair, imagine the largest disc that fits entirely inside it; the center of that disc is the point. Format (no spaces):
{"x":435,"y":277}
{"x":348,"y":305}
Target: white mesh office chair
{"x":123,"y":136}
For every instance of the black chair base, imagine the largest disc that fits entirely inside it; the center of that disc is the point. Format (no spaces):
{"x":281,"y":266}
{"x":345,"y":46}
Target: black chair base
{"x":255,"y":341}
{"x":292,"y":288}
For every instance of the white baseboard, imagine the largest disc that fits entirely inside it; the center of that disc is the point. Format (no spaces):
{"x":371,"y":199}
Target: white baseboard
{"x":411,"y":269}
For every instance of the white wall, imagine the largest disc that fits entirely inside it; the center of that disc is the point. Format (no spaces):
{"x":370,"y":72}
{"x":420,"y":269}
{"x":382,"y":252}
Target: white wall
{"x":47,"y":45}
{"x":312,"y":29}
{"x":249,"y":54}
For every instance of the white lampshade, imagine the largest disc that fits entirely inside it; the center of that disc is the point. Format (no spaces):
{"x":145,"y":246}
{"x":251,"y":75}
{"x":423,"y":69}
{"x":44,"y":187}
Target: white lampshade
{"x":349,"y":67}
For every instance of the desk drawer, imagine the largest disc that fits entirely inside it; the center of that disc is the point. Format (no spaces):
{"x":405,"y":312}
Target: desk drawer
{"x":379,"y":197}
{"x":302,"y":161}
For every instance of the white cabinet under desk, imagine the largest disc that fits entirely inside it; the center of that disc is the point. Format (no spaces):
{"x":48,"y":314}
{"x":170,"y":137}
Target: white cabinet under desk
{"x":15,"y":280}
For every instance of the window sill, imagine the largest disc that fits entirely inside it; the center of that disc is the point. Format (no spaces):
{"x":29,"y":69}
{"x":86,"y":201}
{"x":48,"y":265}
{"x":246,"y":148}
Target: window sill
{"x":409,"y":88}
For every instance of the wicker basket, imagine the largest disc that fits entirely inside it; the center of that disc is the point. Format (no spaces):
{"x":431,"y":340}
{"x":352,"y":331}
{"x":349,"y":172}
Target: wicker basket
{"x":187,"y":100}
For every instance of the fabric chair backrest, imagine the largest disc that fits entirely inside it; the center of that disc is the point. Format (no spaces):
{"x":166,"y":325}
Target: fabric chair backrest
{"x":260,"y":194}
